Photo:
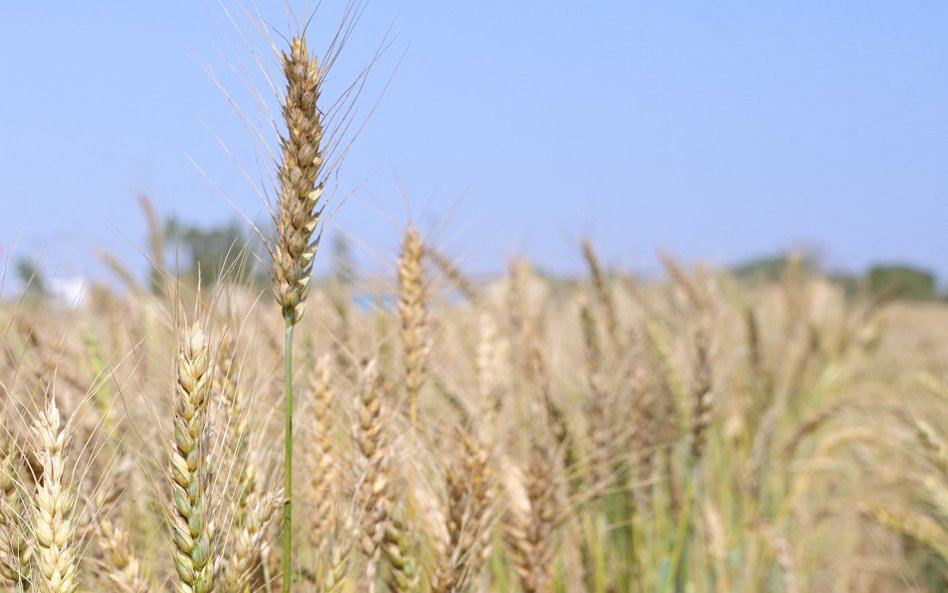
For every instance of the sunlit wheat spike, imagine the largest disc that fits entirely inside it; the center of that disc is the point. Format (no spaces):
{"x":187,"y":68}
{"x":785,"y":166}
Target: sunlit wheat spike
{"x":299,"y":207}
{"x":54,"y":528}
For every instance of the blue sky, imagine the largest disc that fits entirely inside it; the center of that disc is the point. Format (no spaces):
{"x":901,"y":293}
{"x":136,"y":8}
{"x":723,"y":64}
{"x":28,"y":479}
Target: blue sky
{"x":717,"y":131}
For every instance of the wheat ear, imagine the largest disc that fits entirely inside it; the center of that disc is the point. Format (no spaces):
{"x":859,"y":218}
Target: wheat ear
{"x":469,"y":521}
{"x":246,"y":558}
{"x":529,"y":531}
{"x":373,"y":488}
{"x":336,"y":572}
{"x":491,"y":358}
{"x":702,"y":393}
{"x":603,"y":293}
{"x":299,"y":209}
{"x":15,"y":547}
{"x":412,"y":308}
{"x":403,"y":570}
{"x":193,"y":557}
{"x":323,"y":479}
{"x":124,"y":568}
{"x":238,"y":430}
{"x":54,"y":527}
{"x":600,"y":406}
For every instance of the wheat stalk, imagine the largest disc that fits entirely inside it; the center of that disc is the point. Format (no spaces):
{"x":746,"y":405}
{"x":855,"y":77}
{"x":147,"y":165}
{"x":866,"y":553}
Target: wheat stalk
{"x":299,"y":214}
{"x":932,"y":445}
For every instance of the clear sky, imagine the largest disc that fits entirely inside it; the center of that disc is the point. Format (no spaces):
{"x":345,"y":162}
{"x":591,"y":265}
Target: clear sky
{"x":717,"y":130}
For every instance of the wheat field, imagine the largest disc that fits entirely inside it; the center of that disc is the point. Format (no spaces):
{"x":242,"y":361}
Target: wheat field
{"x":432,"y":432}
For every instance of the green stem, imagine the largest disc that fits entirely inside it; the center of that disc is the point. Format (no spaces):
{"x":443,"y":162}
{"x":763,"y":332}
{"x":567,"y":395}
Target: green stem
{"x":679,"y":556}
{"x":266,"y":576}
{"x":288,"y":457}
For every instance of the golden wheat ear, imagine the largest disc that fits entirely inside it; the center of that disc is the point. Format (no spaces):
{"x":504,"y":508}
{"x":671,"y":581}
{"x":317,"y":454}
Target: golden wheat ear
{"x":299,"y":208}
{"x":604,"y":294}
{"x":122,"y":567}
{"x":247,"y":556}
{"x":15,"y":547}
{"x":412,"y":308}
{"x":468,"y":518}
{"x":194,"y":558}
{"x":373,"y":493}
{"x":529,"y":532}
{"x":54,"y":526}
{"x":323,"y":481}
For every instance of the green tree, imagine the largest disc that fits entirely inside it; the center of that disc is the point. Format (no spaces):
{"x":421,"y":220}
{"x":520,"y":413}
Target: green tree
{"x":773,"y":268}
{"x":343,"y":261}
{"x":902,"y":281}
{"x":30,"y":274}
{"x":227,"y":251}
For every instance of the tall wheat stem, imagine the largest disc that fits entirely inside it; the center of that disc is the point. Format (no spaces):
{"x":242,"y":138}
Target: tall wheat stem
{"x":288,"y":460}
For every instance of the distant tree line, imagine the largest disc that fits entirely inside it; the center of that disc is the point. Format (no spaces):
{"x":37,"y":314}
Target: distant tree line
{"x":899,"y":281}
{"x":231,"y":250}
